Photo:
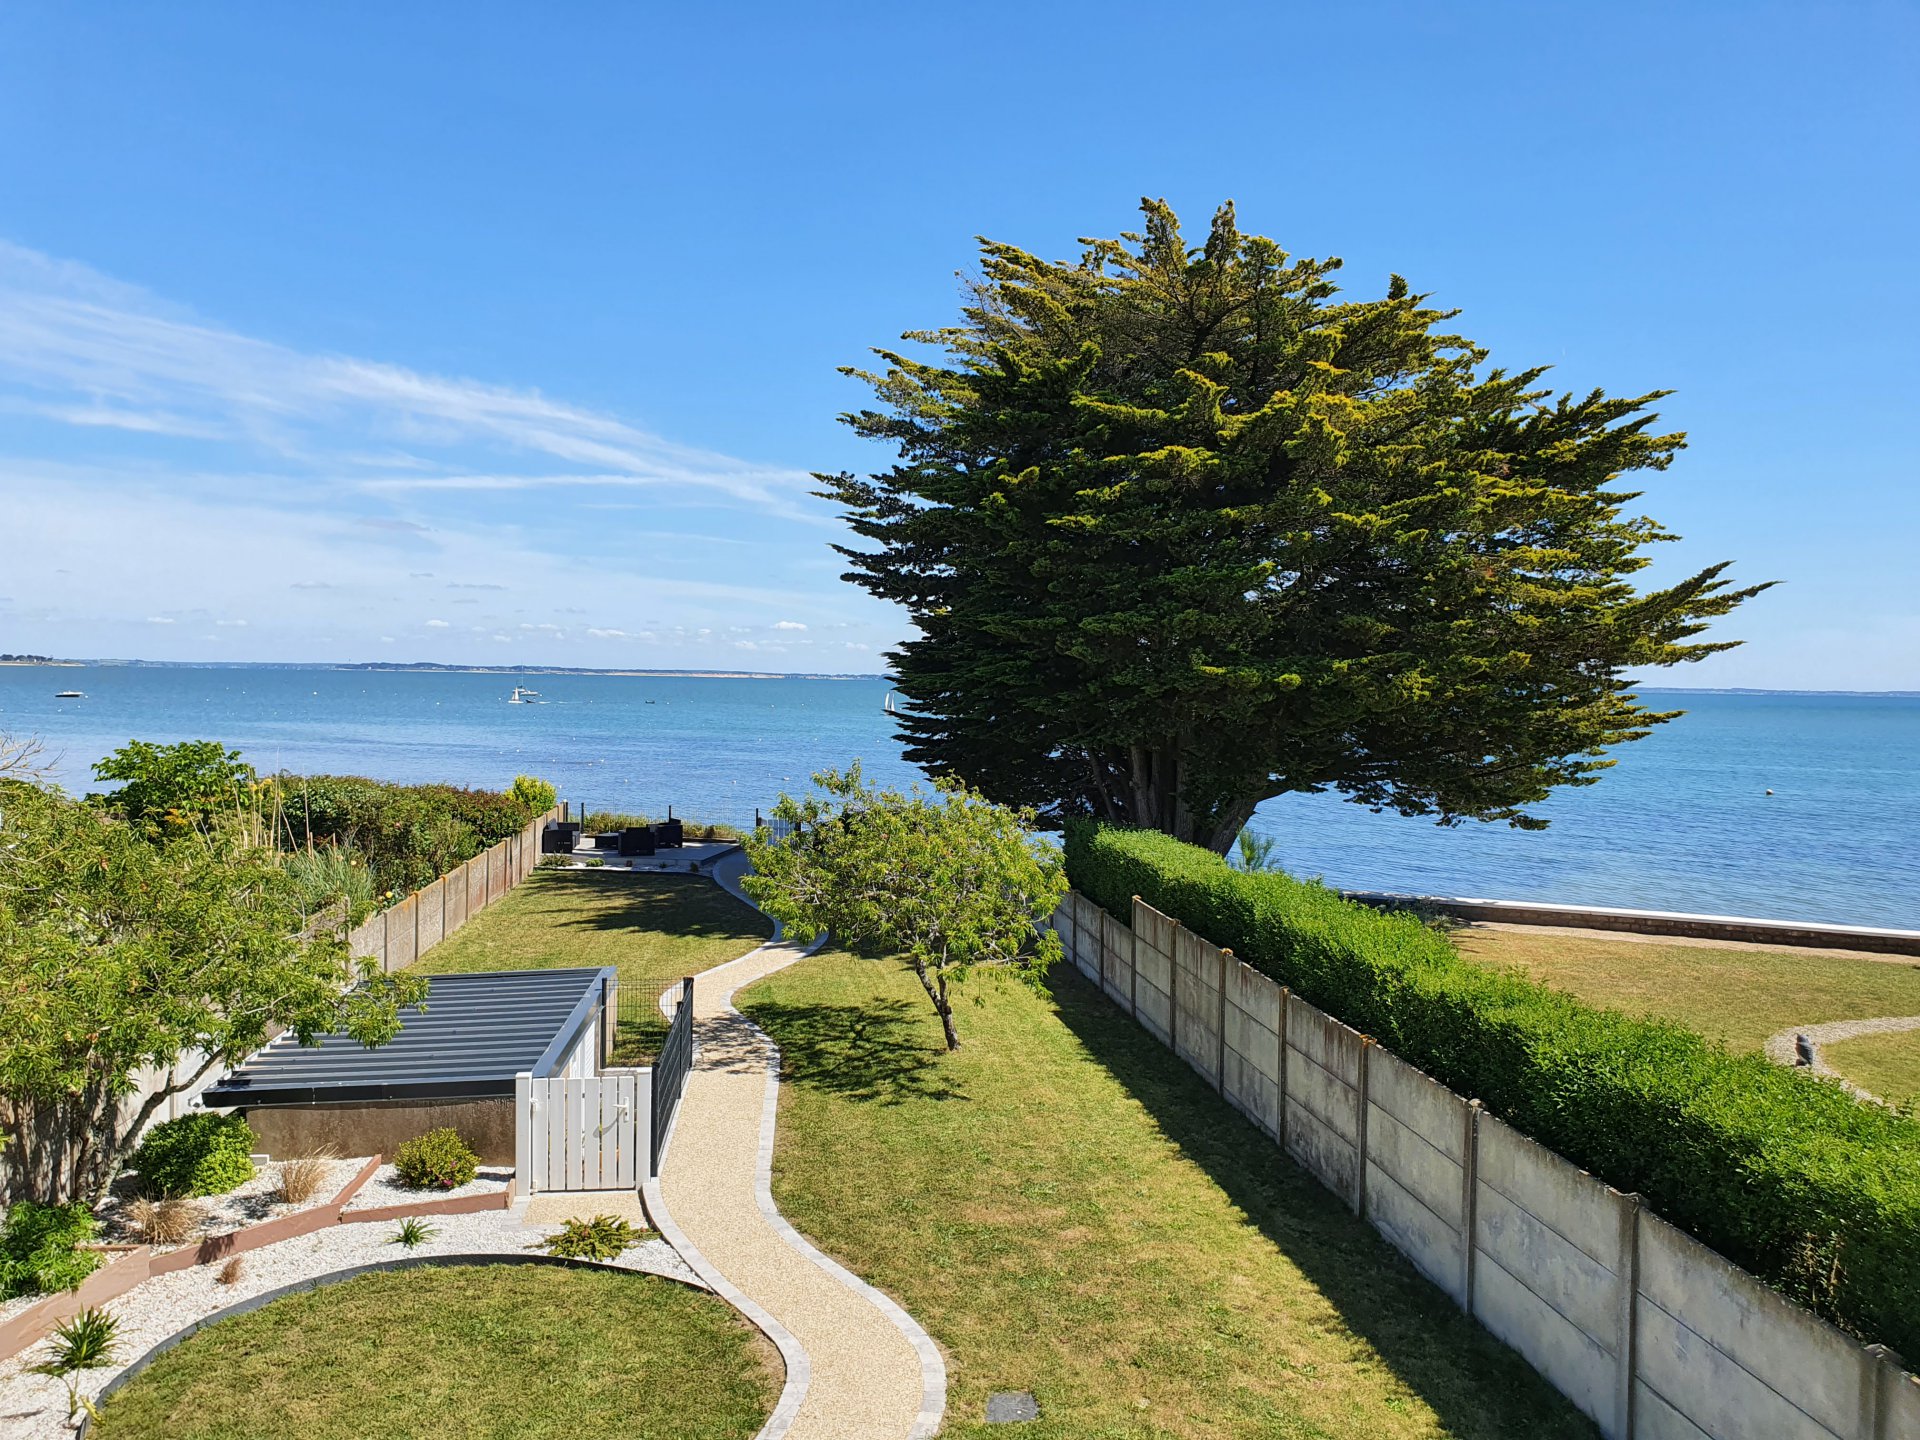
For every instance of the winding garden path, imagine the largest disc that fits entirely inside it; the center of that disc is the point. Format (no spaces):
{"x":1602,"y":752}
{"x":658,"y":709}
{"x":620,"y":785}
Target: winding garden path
{"x":858,"y":1366}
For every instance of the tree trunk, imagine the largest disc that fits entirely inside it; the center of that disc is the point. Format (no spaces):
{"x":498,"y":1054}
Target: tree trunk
{"x":936,"y":988}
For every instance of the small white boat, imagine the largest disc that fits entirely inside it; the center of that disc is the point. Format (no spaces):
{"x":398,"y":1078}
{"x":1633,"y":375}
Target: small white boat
{"x":888,"y":704}
{"x":69,"y":694}
{"x":523,"y":696}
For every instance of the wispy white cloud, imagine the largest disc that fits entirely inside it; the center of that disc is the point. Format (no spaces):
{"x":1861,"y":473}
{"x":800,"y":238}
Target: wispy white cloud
{"x":788,"y":625}
{"x":437,"y":625}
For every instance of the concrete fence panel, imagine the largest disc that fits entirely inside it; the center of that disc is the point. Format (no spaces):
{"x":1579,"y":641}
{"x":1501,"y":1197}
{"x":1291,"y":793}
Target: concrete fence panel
{"x":1322,"y":1115}
{"x":1116,"y":961}
{"x":1737,"y":1359}
{"x":1418,"y":1133}
{"x":430,"y":917}
{"x":400,"y":933}
{"x":368,"y":939}
{"x":455,"y":889}
{"x":1250,"y":1074}
{"x":476,"y":869}
{"x":1197,"y":988}
{"x":1153,"y":970}
{"x":499,"y":874}
{"x":1086,"y":922}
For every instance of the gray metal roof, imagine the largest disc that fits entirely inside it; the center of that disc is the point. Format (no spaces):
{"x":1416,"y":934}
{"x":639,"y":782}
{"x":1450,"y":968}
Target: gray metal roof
{"x":478,"y":1031}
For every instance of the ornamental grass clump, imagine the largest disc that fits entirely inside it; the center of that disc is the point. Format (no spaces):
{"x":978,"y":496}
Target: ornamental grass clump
{"x":199,"y":1154}
{"x":300,"y":1179}
{"x":165,"y":1220}
{"x":437,"y":1160}
{"x":40,"y":1248}
{"x":1765,"y":1164}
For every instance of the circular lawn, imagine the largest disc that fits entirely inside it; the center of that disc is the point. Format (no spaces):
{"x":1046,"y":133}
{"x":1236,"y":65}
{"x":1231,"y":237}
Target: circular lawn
{"x":463,"y":1352}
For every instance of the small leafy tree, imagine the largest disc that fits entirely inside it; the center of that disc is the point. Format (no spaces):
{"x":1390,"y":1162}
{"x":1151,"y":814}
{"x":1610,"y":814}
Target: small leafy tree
{"x":169,"y":789}
{"x":119,"y":952}
{"x":536,"y":794}
{"x":949,"y":880}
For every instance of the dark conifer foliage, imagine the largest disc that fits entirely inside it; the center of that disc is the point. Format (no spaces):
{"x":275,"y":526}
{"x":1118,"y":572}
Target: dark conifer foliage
{"x":1184,"y":528}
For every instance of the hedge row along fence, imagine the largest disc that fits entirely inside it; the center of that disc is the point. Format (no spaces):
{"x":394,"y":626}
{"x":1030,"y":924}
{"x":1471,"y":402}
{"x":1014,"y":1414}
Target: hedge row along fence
{"x":1784,"y":1174}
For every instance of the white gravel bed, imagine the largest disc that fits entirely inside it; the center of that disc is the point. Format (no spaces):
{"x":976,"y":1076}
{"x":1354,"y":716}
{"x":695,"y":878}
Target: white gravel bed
{"x":246,"y":1205}
{"x":34,"y":1407}
{"x":385,"y":1188}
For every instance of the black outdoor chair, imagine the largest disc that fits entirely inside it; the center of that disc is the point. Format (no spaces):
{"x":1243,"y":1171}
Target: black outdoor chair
{"x":558,"y":838}
{"x":636,"y":840}
{"x":668,"y":834}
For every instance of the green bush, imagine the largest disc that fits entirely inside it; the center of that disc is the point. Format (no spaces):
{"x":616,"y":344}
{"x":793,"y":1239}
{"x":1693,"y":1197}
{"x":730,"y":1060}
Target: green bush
{"x":439,"y":1159}
{"x":1778,"y":1171}
{"x":533,"y":794}
{"x":38,"y":1248}
{"x":604,"y":1237}
{"x":204,"y":1153}
{"x":407,"y":835}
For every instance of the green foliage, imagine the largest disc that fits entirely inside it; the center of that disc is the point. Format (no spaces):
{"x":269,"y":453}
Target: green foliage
{"x":948,"y":880}
{"x":413,"y":1231}
{"x":80,"y":1343}
{"x":1765,"y":1164}
{"x":39,"y":1248}
{"x":533,"y":794}
{"x":1184,"y":528}
{"x":1254,"y":852}
{"x":201,"y":1153}
{"x":406,"y":835}
{"x":118,"y":952}
{"x":604,"y":1237}
{"x":439,"y":1158}
{"x":166,"y":790}
{"x":330,"y":875}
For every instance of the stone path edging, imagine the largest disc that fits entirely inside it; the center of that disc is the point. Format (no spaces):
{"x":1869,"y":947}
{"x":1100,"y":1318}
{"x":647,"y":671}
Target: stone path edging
{"x":1780,"y":1047}
{"x":802,"y":1370}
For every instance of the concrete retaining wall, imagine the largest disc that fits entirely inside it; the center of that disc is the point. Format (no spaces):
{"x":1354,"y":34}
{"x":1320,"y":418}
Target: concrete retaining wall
{"x":1646,"y":1330}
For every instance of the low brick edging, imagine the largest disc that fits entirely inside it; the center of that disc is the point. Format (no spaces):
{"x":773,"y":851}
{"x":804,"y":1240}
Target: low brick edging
{"x":140,"y":1263}
{"x":1740,"y":928}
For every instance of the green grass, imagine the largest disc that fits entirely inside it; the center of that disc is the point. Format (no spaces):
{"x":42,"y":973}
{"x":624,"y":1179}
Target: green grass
{"x":1069,"y":1210}
{"x":463,"y":1353}
{"x":652,"y":928}
{"x":1736,"y":995}
{"x":1888,"y":1065}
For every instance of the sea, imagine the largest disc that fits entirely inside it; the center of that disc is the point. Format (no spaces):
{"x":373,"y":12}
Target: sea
{"x":1778,"y":805}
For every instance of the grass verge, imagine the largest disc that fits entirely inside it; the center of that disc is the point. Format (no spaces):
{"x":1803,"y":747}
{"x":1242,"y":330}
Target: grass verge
{"x":1736,"y":995}
{"x":1069,"y":1210}
{"x":652,"y":928}
{"x":1888,"y":1065}
{"x":491,"y":1351}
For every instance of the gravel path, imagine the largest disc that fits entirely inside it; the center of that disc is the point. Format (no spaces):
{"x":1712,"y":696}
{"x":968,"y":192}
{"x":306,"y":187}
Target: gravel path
{"x":858,"y":1366}
{"x":1780,"y":1048}
{"x":34,"y":1407}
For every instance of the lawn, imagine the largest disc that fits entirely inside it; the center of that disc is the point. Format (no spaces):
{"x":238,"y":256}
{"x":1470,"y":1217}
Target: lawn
{"x":1888,"y":1065}
{"x":652,"y":928}
{"x":1069,"y":1210}
{"x":1737,"y":995}
{"x":463,"y":1353}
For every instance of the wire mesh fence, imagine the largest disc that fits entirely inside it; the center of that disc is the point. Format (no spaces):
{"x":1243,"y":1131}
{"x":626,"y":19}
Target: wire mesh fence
{"x":640,"y":1026}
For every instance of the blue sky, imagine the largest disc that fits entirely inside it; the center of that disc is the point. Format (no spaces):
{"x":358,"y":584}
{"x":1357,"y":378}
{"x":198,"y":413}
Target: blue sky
{"x":507,"y":334}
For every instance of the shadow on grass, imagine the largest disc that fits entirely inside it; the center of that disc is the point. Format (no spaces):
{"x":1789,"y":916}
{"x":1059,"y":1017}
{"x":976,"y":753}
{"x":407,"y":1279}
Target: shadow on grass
{"x":871,"y":1051}
{"x":1476,"y":1386}
{"x":689,"y":905}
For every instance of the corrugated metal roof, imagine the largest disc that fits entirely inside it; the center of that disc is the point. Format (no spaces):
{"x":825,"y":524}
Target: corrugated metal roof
{"x":478,"y":1031}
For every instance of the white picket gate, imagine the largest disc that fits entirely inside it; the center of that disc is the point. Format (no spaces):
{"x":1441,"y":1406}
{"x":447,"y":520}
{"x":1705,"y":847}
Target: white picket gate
{"x":589,"y":1133}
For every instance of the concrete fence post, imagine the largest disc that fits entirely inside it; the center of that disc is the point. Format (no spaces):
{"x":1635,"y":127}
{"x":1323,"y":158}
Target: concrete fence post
{"x":1628,"y":1271}
{"x":1360,"y":1143}
{"x":1133,"y":974}
{"x":1286,"y":996}
{"x":1876,"y":1404}
{"x":1469,"y":1200}
{"x":1220,"y":1025}
{"x":1173,"y":991}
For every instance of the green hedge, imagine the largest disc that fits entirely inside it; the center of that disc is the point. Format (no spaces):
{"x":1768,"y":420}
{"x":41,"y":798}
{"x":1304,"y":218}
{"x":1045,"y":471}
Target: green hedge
{"x":1779,"y":1172}
{"x":406,"y":835}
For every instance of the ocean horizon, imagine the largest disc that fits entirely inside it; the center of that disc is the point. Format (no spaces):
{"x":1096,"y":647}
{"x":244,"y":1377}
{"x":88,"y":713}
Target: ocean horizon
{"x":1684,"y":821}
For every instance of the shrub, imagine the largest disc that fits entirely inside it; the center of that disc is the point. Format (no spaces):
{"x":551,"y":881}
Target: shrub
{"x":534,"y":795}
{"x":39,"y":1248}
{"x":604,"y":1237}
{"x":1758,"y":1161}
{"x":83,"y":1342}
{"x":203,"y":1153}
{"x":439,"y":1159}
{"x":170,"y":1220}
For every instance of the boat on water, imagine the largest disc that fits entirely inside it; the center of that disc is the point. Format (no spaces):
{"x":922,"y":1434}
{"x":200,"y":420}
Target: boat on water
{"x":888,"y":705}
{"x":523,"y":696}
{"x":69,"y":694}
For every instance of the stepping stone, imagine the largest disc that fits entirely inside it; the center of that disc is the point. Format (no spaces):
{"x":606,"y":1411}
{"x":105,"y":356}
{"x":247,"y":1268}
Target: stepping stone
{"x":1008,"y":1407}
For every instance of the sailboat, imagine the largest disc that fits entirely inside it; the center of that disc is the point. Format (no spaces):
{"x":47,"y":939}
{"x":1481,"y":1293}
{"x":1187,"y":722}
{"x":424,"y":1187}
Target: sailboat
{"x":887,"y":705}
{"x":523,"y":696}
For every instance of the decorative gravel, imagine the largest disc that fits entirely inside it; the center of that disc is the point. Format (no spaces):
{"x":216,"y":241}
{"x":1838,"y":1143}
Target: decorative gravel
{"x":385,"y":1189}
{"x":34,"y":1407}
{"x":249,"y":1204}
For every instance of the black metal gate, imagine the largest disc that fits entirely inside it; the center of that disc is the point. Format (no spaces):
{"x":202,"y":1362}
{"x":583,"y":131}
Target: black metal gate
{"x":670,"y":1072}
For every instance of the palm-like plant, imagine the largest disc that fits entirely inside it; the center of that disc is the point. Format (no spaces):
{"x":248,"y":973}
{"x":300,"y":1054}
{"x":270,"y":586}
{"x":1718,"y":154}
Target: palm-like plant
{"x":83,"y":1343}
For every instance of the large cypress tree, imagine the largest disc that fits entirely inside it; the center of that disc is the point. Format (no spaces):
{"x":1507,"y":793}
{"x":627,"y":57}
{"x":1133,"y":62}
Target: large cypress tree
{"x":1182,"y":529}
